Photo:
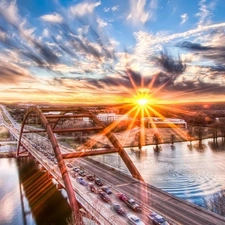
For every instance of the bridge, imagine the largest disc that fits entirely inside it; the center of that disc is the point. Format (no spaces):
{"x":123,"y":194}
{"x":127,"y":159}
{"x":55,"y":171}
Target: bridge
{"x":37,"y":141}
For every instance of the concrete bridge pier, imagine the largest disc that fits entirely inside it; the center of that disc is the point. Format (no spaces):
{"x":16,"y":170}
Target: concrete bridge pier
{"x":59,"y":186}
{"x":23,"y":152}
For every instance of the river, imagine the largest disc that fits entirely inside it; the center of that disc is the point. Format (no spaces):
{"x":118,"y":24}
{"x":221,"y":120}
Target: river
{"x":27,"y":196}
{"x":183,"y":170}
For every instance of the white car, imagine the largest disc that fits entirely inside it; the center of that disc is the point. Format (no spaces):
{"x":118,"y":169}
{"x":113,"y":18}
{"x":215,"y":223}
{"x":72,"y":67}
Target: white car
{"x":132,"y":219}
{"x":157,"y":219}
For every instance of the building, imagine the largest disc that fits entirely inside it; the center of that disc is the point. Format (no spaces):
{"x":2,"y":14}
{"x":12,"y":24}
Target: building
{"x":165,"y":122}
{"x":107,"y":117}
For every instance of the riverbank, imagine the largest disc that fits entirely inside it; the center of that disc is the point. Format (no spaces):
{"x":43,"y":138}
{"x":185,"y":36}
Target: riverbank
{"x":7,"y":154}
{"x":129,"y":138}
{"x":7,"y":149}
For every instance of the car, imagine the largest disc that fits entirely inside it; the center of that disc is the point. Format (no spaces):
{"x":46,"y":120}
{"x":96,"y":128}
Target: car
{"x":118,"y":209}
{"x":73,"y":175}
{"x":133,"y":204}
{"x":81,"y":181}
{"x":132,"y":219}
{"x":152,"y":215}
{"x":122,"y":196}
{"x":82,"y":173}
{"x":76,"y":169}
{"x":90,"y":177}
{"x":92,"y":188}
{"x":106,"y":190}
{"x":157,"y":219}
{"x":69,"y":165}
{"x":98,"y":182}
{"x":104,"y":196}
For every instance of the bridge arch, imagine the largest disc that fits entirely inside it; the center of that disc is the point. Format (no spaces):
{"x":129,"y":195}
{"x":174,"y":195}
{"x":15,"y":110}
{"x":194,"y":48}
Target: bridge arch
{"x":111,"y":137}
{"x":68,"y":186}
{"x":60,"y":157}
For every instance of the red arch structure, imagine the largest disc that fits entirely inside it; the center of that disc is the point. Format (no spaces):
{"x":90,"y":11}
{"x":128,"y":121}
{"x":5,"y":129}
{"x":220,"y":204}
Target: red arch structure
{"x":49,"y":123}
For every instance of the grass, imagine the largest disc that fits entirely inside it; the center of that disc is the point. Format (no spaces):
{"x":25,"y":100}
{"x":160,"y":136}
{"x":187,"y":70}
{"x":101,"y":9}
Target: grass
{"x":4,"y":133}
{"x":5,"y":118}
{"x":10,"y":154}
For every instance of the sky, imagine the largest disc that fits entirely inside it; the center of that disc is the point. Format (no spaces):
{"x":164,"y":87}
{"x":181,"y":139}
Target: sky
{"x":106,"y":52}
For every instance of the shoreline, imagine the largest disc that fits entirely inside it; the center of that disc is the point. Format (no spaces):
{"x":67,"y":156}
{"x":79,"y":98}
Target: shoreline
{"x":7,"y":154}
{"x":10,"y":153}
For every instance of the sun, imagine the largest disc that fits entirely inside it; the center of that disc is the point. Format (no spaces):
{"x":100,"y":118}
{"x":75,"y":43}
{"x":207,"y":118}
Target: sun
{"x":142,"y":101}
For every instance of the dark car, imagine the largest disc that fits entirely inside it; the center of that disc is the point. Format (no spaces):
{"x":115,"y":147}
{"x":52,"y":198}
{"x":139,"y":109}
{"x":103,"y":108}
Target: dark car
{"x":157,"y":219}
{"x":98,"y":182}
{"x":82,"y":173}
{"x":133,"y":204}
{"x":104,"y":196}
{"x":107,"y":190}
{"x":118,"y":209}
{"x":92,"y":188}
{"x":90,"y":177}
{"x":122,"y":196}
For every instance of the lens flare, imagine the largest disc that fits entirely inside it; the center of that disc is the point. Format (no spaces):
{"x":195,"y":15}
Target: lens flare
{"x":142,"y":101}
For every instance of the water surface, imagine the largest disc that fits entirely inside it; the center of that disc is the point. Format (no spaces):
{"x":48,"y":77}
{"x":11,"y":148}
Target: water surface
{"x":28,"y":196}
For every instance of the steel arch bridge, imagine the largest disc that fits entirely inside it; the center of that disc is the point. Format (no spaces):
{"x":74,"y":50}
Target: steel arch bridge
{"x":49,"y":123}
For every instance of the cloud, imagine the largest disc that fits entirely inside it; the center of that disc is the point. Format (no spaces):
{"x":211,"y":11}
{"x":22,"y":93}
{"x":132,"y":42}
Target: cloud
{"x":83,"y":8}
{"x":170,"y":65}
{"x":184,"y":18}
{"x":45,"y":32}
{"x":214,"y":53}
{"x":106,"y":9}
{"x":193,"y":46}
{"x":9,"y":10}
{"x":101,"y":23}
{"x":13,"y":74}
{"x":204,"y":13}
{"x":146,"y":42}
{"x":138,"y":14}
{"x":52,"y":18}
{"x":115,"y":8}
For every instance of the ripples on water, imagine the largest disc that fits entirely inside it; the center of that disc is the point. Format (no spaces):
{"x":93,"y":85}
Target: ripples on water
{"x":185,"y":172}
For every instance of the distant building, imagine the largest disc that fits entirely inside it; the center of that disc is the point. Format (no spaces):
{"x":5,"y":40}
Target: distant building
{"x":107,"y":117}
{"x":166,"y":122}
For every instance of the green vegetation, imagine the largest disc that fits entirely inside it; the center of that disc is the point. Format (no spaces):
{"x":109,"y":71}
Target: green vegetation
{"x":4,"y":133}
{"x":6,"y":118}
{"x":9,"y":154}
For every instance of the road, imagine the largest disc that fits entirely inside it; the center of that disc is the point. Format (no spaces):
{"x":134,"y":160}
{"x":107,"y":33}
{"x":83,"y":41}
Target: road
{"x":152,"y":198}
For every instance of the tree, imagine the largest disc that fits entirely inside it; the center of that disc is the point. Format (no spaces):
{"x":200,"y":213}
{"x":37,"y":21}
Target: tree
{"x":216,"y":203}
{"x":157,"y":139}
{"x":140,"y":140}
{"x":199,"y":131}
{"x":190,"y":133}
{"x":200,"y":119}
{"x":172,"y":138}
